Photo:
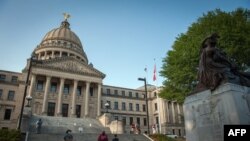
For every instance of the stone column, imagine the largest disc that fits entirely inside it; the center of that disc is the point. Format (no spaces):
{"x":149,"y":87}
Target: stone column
{"x":60,"y":54}
{"x":32,"y":84}
{"x":45,"y":55}
{"x":87,"y":99}
{"x":179,"y":113}
{"x":73,"y":106}
{"x":162,"y":111}
{"x":39,"y":56}
{"x":59,"y":102}
{"x":53,"y":54}
{"x":167,"y":111}
{"x":99,"y":100}
{"x":45,"y":97}
{"x":173,"y":112}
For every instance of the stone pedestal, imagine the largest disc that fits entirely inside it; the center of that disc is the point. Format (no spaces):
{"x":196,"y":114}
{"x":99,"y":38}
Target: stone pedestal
{"x":116,"y":127}
{"x":105,"y":119}
{"x":25,"y":120}
{"x":207,"y":112}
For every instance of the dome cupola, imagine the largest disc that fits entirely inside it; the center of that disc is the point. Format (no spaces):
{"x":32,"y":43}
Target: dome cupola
{"x":61,"y":42}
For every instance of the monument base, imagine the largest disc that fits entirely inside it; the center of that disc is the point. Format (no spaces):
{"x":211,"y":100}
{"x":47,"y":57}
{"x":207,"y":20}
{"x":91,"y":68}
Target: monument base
{"x":207,"y":112}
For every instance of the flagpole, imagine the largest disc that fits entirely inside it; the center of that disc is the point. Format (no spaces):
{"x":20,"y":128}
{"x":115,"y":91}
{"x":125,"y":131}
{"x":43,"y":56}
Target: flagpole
{"x":146,"y":71}
{"x":157,"y":97}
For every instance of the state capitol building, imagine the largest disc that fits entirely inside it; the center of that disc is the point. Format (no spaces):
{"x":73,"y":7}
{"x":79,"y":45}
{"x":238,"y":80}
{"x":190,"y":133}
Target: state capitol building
{"x":62,"y":83}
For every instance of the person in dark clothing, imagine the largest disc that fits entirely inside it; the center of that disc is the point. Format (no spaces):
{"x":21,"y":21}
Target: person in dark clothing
{"x":38,"y":126}
{"x":103,"y":136}
{"x":68,"y":136}
{"x":115,"y":138}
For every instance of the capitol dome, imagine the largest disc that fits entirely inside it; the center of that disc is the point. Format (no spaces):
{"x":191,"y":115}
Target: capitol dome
{"x":61,"y":42}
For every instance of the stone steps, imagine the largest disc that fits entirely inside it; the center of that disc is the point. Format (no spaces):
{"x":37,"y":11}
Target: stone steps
{"x":85,"y":137}
{"x":61,"y":124}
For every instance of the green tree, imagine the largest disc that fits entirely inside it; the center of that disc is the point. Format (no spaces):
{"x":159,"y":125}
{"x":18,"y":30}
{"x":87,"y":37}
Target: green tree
{"x":180,"y":66}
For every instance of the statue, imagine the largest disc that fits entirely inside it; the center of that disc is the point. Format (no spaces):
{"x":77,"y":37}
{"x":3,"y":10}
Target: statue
{"x":215,"y":68}
{"x":66,"y":16}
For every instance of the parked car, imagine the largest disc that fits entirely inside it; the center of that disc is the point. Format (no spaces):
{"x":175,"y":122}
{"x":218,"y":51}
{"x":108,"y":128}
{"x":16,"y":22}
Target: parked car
{"x":171,"y":136}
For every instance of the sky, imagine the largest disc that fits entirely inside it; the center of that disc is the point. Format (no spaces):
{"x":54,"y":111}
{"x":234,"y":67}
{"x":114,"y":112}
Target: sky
{"x":120,"y":37}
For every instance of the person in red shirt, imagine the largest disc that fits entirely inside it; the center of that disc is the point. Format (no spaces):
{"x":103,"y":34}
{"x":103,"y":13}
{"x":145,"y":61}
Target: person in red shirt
{"x":103,"y":136}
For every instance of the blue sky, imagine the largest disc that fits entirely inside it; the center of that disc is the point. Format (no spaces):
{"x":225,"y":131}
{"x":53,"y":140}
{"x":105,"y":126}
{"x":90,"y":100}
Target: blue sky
{"x":120,"y":37}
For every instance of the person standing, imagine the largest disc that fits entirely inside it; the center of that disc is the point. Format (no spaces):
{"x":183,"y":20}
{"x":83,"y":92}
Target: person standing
{"x":103,"y":136}
{"x":38,"y":126}
{"x":115,"y":138}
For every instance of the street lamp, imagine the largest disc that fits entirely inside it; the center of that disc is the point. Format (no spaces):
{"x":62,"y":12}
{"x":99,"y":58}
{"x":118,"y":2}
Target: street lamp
{"x":146,"y":98}
{"x":28,"y":98}
{"x":32,"y":58}
{"x":106,"y":106}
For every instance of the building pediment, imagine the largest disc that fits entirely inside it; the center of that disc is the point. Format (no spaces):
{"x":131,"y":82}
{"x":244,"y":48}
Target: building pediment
{"x":71,"y":65}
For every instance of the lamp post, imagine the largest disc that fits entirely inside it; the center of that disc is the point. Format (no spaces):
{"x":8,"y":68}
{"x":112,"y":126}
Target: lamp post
{"x":28,"y":98}
{"x":146,"y":98}
{"x":106,"y":106}
{"x":25,"y":89}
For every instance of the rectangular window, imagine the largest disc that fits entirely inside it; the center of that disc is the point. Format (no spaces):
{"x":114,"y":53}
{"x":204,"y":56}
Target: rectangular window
{"x":123,"y":106}
{"x":66,"y":89}
{"x":14,"y":79}
{"x":138,"y":121}
{"x":136,"y":95}
{"x":116,"y":105}
{"x":108,"y":91}
{"x":51,"y":109}
{"x":65,"y":108}
{"x":137,"y":107}
{"x":130,"y":94}
{"x":130,"y":106}
{"x":116,"y":92}
{"x":79,"y":90}
{"x":145,"y":121}
{"x":2,"y":77}
{"x":53,"y":87}
{"x":179,"y":132}
{"x":131,"y":120}
{"x":116,"y":117}
{"x":123,"y":93}
{"x":78,"y":111}
{"x":91,"y":91}
{"x":1,"y":93}
{"x":157,"y":120}
{"x":11,"y":95}
{"x":124,"y":121}
{"x":39,"y":86}
{"x":154,"y":94}
{"x":173,"y":131}
{"x":144,"y":108}
{"x":7,"y":114}
{"x":156,"y":108}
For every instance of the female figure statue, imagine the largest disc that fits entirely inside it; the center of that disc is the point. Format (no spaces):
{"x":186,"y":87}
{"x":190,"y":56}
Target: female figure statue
{"x":215,"y":68}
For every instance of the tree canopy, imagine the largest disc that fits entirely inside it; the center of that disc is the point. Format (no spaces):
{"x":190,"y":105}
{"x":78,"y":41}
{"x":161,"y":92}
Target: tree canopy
{"x":180,"y":66}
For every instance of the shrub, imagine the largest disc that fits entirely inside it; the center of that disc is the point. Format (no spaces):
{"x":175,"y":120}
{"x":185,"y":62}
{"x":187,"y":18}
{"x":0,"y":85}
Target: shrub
{"x":10,"y":135}
{"x":161,"y":137}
